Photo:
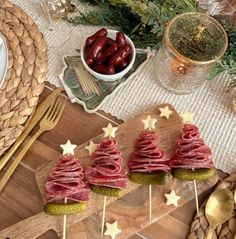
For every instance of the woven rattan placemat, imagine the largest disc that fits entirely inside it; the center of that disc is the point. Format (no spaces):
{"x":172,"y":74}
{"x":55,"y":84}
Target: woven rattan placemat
{"x":199,"y":227}
{"x":26,"y":71}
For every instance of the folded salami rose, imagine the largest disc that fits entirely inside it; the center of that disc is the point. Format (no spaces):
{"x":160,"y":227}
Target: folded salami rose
{"x":148,"y":163}
{"x":147,"y":157}
{"x":107,"y":170}
{"x":191,"y":152}
{"x":66,"y":181}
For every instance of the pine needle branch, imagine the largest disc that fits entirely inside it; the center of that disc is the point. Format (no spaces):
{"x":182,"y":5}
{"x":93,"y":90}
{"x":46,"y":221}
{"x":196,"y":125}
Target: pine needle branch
{"x":228,"y":62}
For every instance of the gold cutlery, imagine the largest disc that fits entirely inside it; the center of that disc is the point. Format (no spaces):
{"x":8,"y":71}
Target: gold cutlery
{"x":218,"y":209}
{"x":40,"y":111}
{"x":48,"y":122}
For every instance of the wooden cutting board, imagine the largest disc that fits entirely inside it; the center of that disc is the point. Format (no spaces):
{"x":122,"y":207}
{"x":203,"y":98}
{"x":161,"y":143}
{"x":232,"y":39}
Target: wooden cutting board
{"x":131,"y":210}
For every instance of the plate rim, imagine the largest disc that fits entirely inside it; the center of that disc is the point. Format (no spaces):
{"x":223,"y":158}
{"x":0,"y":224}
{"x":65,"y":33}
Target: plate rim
{"x":6,"y":60}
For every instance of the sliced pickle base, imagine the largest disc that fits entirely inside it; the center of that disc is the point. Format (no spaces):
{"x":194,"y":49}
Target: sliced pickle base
{"x":106,"y":191}
{"x":197,"y":174}
{"x":57,"y":209}
{"x":159,"y":178}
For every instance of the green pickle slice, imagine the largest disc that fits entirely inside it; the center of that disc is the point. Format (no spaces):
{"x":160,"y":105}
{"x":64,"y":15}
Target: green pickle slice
{"x":106,"y":191}
{"x":57,"y":209}
{"x":197,"y":174}
{"x":159,"y":178}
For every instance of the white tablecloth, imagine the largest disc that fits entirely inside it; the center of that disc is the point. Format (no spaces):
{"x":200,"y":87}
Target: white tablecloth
{"x":211,"y":104}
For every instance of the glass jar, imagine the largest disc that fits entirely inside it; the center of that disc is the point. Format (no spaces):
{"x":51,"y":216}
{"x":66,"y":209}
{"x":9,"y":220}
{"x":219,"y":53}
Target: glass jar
{"x":56,"y":9}
{"x":191,"y":46}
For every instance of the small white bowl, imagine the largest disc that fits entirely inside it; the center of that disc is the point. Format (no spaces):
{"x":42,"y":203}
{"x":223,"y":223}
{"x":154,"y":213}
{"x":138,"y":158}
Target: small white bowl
{"x":117,"y":76}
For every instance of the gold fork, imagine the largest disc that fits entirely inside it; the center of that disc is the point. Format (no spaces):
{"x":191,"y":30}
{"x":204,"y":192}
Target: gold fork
{"x":48,"y":122}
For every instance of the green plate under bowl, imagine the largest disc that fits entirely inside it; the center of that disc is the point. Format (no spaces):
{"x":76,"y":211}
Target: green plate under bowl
{"x":93,"y":102}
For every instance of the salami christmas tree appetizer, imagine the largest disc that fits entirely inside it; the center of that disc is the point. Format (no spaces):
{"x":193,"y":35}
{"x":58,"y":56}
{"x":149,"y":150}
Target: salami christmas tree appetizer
{"x":66,"y":192}
{"x":192,"y":159}
{"x":106,"y":176}
{"x":148,"y":163}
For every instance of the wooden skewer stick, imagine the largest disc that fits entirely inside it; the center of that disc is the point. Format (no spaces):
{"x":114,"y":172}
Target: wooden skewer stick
{"x":89,"y":86}
{"x":188,"y":118}
{"x":109,"y":131}
{"x":85,"y":79}
{"x":196,"y":196}
{"x":149,"y":124}
{"x":64,"y":222}
{"x":68,"y":149}
{"x":92,"y":84}
{"x":103,"y":214}
{"x":150,"y":204}
{"x":83,"y":86}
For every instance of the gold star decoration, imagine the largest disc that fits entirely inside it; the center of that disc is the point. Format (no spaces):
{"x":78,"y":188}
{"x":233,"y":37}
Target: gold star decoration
{"x":110,"y":131}
{"x":172,"y":198}
{"x":187,"y":117}
{"x":165,"y":112}
{"x":149,"y":123}
{"x":68,"y":148}
{"x":91,"y":147}
{"x":112,"y":230}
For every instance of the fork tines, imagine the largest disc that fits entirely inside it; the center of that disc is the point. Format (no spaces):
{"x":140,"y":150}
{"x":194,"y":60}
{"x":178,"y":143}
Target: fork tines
{"x":55,"y":110}
{"x":87,"y":83}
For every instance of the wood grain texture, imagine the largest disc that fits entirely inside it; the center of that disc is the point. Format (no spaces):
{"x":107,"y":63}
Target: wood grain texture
{"x":21,"y":198}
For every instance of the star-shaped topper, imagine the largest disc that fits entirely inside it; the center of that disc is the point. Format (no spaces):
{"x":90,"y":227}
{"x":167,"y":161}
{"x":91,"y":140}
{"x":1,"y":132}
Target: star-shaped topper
{"x":149,"y":123}
{"x":112,"y":230}
{"x":165,"y":112}
{"x":172,"y":198}
{"x":68,"y":148}
{"x":91,"y":147}
{"x":187,"y":117}
{"x":110,"y":131}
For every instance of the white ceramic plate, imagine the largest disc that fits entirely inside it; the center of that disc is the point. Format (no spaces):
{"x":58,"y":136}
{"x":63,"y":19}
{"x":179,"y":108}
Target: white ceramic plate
{"x":3,"y":58}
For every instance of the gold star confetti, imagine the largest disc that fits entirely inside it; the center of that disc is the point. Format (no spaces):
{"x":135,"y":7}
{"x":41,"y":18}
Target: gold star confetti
{"x":149,"y":123}
{"x":112,"y":230}
{"x":110,"y":131}
{"x":91,"y":147}
{"x":165,"y":112}
{"x":68,"y":148}
{"x":187,"y":117}
{"x":172,"y":198}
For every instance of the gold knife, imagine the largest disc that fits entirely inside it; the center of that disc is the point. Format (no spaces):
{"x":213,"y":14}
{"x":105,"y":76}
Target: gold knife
{"x":40,"y":111}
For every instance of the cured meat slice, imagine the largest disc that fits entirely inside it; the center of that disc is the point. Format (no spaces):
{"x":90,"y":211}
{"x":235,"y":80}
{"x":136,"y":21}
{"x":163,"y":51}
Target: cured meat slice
{"x":66,"y":181}
{"x":191,"y":152}
{"x":147,"y":157}
{"x":107,"y":170}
